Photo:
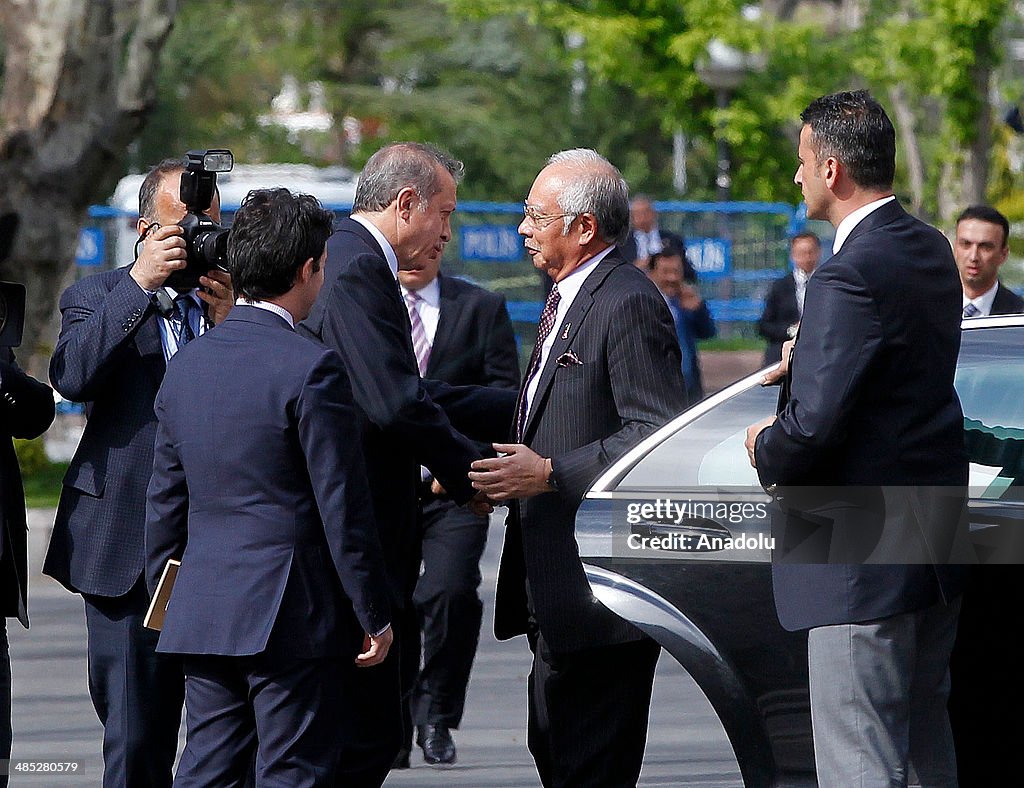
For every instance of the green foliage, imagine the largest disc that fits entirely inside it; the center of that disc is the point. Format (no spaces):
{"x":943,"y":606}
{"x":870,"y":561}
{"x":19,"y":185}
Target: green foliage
{"x":41,"y":478}
{"x":31,"y":455}
{"x":498,"y":99}
{"x":504,"y":83}
{"x":936,"y":50}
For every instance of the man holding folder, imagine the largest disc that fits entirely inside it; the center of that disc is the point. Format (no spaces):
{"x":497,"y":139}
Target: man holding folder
{"x":259,"y":489}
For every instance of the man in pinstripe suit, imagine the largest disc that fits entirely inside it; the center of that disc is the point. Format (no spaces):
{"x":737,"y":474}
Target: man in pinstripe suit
{"x":604,"y":373}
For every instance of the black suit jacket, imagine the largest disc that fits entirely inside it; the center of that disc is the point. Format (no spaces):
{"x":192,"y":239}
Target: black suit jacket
{"x":872,"y":404}
{"x":109,"y":356}
{"x":26,"y":410}
{"x":272,"y":523}
{"x":1006,"y":302}
{"x":474,"y":343}
{"x":360,"y":313}
{"x":584,"y":417}
{"x":780,"y":312}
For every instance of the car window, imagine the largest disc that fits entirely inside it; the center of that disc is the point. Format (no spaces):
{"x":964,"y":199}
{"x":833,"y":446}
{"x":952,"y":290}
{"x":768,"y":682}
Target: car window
{"x":708,"y":451}
{"x":990,"y":381}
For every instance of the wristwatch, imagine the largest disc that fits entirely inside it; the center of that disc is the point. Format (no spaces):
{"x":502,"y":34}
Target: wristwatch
{"x":551,"y":482}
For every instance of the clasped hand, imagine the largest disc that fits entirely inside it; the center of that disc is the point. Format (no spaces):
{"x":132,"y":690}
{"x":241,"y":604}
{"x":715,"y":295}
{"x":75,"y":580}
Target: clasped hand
{"x":518,"y":472}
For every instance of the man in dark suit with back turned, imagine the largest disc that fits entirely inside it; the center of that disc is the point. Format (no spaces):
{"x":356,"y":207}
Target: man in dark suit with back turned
{"x":871,"y":410}
{"x":26,"y":410}
{"x":981,"y":247}
{"x":604,"y":373}
{"x":461,"y":335}
{"x":115,"y":340}
{"x":401,"y":218}
{"x":282,"y":594}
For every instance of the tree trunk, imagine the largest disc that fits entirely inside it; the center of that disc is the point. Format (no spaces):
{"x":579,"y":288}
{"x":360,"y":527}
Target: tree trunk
{"x":910,"y":147}
{"x":78,"y":82}
{"x":950,"y":197}
{"x":979,"y":149}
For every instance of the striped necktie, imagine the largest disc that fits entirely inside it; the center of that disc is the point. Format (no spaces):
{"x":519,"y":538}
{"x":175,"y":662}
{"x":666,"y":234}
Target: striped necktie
{"x":420,"y":343}
{"x":544,"y":326}
{"x":971,"y":310}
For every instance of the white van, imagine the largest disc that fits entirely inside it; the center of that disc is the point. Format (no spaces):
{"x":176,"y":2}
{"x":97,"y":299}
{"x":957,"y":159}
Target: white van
{"x":335,"y":187}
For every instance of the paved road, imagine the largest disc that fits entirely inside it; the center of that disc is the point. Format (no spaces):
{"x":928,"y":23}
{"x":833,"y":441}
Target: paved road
{"x":54,"y":720}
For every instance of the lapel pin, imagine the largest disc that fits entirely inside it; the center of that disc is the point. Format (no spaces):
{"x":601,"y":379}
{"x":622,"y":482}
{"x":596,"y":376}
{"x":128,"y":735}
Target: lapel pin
{"x":565,"y":333}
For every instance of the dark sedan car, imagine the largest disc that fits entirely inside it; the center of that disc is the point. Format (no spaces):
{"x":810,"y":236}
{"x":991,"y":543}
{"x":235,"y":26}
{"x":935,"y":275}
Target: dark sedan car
{"x":676,"y":538}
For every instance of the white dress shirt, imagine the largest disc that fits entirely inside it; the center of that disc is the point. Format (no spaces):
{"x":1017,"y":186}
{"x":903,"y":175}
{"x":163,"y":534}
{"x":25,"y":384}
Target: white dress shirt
{"x":389,"y":253}
{"x":567,"y":290}
{"x":984,"y":301}
{"x":648,"y":243}
{"x":846,"y":225}
{"x":800,"y":277}
{"x":280,"y":311}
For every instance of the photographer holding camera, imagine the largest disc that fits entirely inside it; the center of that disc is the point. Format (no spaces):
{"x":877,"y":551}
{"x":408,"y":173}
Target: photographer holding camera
{"x":119,"y":329}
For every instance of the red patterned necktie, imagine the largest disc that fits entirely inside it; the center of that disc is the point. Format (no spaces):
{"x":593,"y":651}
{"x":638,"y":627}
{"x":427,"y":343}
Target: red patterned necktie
{"x":547,"y":322}
{"x":420,"y":343}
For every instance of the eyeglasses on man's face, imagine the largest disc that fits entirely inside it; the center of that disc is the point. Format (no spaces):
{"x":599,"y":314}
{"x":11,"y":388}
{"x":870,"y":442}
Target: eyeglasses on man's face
{"x":539,"y":219}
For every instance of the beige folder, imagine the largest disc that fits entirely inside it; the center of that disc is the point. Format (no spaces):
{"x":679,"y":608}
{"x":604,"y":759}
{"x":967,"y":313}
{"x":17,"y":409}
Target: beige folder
{"x":158,"y":607}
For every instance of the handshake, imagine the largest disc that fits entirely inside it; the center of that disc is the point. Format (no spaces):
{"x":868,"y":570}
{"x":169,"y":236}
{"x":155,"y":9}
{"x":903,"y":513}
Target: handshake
{"x":517,"y":472}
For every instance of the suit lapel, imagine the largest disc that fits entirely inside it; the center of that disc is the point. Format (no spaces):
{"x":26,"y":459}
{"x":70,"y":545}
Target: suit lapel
{"x":567,"y":332}
{"x":450,"y":314}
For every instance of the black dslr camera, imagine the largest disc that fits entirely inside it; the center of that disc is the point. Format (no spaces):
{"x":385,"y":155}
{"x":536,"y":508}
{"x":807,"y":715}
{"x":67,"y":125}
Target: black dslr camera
{"x":12,"y":295}
{"x":206,"y":242}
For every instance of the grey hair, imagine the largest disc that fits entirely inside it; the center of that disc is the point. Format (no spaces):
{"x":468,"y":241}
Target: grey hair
{"x":403,"y":165}
{"x":598,"y":188}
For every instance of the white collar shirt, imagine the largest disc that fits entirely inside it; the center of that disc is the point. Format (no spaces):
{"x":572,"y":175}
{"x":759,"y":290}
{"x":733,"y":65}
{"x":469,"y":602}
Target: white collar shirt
{"x":278,"y":310}
{"x":378,"y":236}
{"x":648,"y":243}
{"x":800,"y":277}
{"x":983,"y":303}
{"x":568,"y":289}
{"x":846,"y":225}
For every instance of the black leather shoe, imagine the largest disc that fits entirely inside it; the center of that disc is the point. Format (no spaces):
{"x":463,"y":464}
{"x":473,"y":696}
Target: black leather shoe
{"x":402,"y":759}
{"x":436,"y":741}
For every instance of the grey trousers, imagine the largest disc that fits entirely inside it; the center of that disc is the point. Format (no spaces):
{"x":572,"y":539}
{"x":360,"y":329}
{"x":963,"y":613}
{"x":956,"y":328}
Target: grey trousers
{"x":879,"y":691}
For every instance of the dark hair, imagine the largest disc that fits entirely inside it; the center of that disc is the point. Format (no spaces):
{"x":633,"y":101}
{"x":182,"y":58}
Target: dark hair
{"x":805,"y":234}
{"x":151,"y":183}
{"x":986,"y":213}
{"x":853,"y":128}
{"x":397,"y":166}
{"x":669,"y":248}
{"x":272,"y":236}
